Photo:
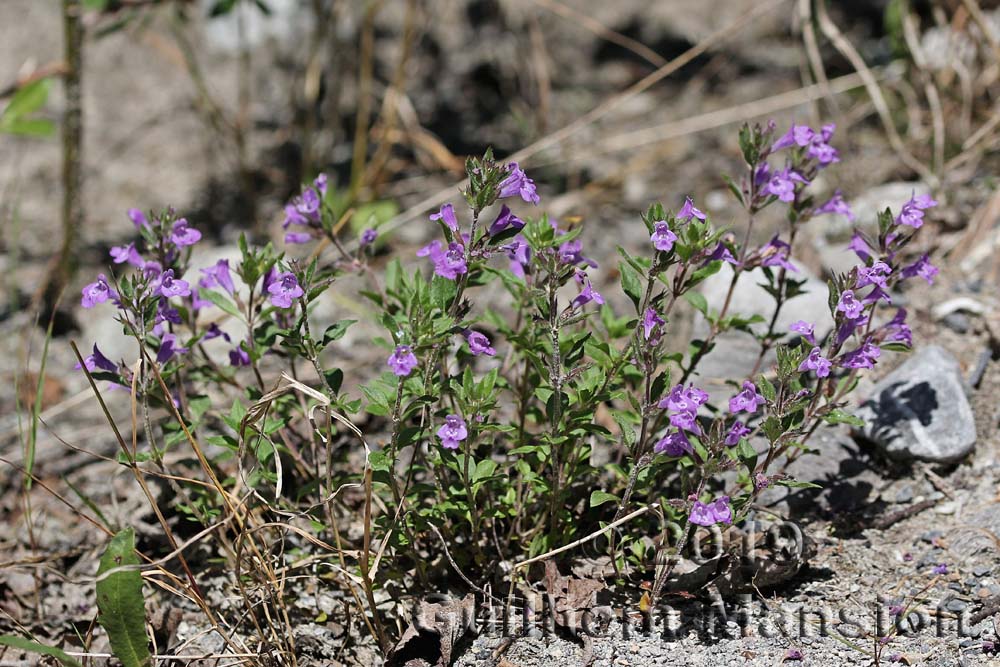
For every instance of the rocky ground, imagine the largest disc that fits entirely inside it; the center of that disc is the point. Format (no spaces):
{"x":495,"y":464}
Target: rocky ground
{"x":914,"y":489}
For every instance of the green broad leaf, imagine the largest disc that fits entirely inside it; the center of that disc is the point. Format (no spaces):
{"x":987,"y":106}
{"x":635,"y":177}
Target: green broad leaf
{"x":766,"y":388}
{"x":121,"y":608}
{"x":29,"y":127}
{"x":379,"y":461}
{"x":484,"y":469}
{"x":222,"y":302}
{"x":631,"y":283}
{"x":747,"y":454}
{"x":709,"y":269}
{"x":697,"y":299}
{"x":27,"y":100}
{"x":22,"y":644}
{"x":838,"y":416}
{"x":598,"y":498}
{"x":336,"y":331}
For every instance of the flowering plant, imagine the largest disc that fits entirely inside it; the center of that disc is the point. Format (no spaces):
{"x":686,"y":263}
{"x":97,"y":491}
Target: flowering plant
{"x":484,"y":428}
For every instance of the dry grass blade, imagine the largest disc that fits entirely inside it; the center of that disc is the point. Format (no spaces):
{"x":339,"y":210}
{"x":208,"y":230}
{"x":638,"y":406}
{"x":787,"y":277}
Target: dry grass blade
{"x":601,"y":110}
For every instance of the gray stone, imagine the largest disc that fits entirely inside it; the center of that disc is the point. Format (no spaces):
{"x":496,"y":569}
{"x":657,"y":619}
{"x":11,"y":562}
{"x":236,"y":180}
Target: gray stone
{"x":919,"y":411}
{"x":957,"y":322}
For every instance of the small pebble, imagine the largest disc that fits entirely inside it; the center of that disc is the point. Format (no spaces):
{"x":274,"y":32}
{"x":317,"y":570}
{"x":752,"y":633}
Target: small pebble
{"x":905,"y":494}
{"x":981,"y":570}
{"x":958,"y":322}
{"x":930,"y":536}
{"x":956,"y":605}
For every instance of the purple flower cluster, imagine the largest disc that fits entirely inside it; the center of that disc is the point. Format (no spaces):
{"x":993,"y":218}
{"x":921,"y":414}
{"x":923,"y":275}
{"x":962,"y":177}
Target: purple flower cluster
{"x":683,"y":403}
{"x":709,"y":514}
{"x":306,"y":212}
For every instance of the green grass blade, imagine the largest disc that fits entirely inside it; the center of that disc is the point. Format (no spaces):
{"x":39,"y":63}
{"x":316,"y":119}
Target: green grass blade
{"x":36,"y":410}
{"x":122,"y":612}
{"x":23,"y":644}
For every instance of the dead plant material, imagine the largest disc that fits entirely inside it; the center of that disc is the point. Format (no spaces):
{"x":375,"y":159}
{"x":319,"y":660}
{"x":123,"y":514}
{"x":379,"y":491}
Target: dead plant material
{"x":437,"y":627}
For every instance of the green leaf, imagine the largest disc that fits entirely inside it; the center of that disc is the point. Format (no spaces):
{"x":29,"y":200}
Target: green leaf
{"x":222,"y":302}
{"x":631,"y":283}
{"x":484,"y":469}
{"x":29,"y":127}
{"x":697,"y":299}
{"x":747,"y":454}
{"x":766,"y":388}
{"x":121,"y":609}
{"x":23,"y":644}
{"x":336,"y":331}
{"x":27,"y":100}
{"x":598,"y":498}
{"x":838,"y":416}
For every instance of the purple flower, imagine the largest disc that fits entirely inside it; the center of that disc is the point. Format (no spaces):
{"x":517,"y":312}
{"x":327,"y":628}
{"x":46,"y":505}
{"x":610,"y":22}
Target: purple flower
{"x":320,"y":183}
{"x":782,"y":184}
{"x":239,"y":357}
{"x":895,"y":609}
{"x":806,"y":330}
{"x":687,"y":421}
{"x":797,"y":135}
{"x":126,"y":253}
{"x":662,"y":238}
{"x":816,"y":362}
{"x":723,"y":253}
{"x":479,"y":344}
{"x":218,"y":275}
{"x":293,"y":217}
{"x":368,"y":237}
{"x":519,"y":254}
{"x":284,"y":289}
{"x":297,"y":238}
{"x":747,"y":400}
{"x":571,"y":252}
{"x":923,"y":268}
{"x":793,"y":654}
{"x":940,"y":568}
{"x":98,"y":361}
{"x":912,"y":213}
{"x":775,"y":253}
{"x":138,"y":218}
{"x":402,"y":361}
{"x":587,"y":294}
{"x":673,"y":444}
{"x":432,"y":250}
{"x":860,"y":247}
{"x":875,"y":274}
{"x":184,"y":235}
{"x":737,"y":432}
{"x":450,"y":263}
{"x":164,"y":313}
{"x":651,"y":321}
{"x":709,"y":514}
{"x":837,"y":205}
{"x":97,"y":292}
{"x":446,"y":214}
{"x":168,"y":286}
{"x":823,"y":152}
{"x":684,"y":399}
{"x":169,"y":348}
{"x":849,"y":305}
{"x":518,"y":183}
{"x":688,"y":211}
{"x":505,"y":220}
{"x":897,"y":329}
{"x":452,"y":432}
{"x":309,"y":203}
{"x":863,"y":357}
{"x":213,"y":331}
